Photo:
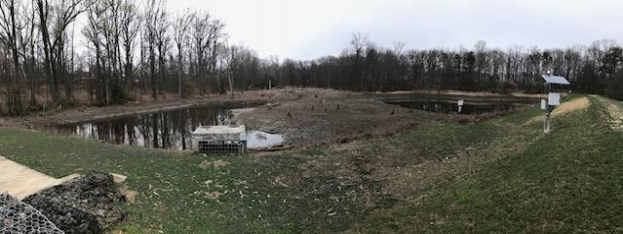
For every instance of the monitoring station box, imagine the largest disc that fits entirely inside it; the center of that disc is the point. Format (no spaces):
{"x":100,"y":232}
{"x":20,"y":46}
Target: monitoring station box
{"x":553,"y":99}
{"x":554,"y":84}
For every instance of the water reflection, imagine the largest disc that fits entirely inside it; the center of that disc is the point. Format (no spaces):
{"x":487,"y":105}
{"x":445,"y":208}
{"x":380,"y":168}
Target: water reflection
{"x":169,"y":129}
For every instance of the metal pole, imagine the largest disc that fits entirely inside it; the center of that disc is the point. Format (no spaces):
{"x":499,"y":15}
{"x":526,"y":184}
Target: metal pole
{"x":545,"y":122}
{"x":548,"y":115}
{"x":548,"y":120}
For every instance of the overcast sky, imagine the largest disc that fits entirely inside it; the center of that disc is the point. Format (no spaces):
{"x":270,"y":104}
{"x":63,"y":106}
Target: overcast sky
{"x":308,"y":29}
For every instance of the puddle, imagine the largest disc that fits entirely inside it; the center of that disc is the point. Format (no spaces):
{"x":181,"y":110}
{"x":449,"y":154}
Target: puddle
{"x":168,"y":129}
{"x":261,"y":140}
{"x":451,"y":107}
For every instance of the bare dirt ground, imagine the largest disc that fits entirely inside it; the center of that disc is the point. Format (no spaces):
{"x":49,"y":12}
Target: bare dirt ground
{"x":319,"y":116}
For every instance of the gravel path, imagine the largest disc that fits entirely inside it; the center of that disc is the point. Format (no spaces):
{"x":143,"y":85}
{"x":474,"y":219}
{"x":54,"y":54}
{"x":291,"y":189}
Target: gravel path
{"x":614,"y":113}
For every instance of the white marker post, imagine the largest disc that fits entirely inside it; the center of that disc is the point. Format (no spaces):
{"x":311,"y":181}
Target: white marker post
{"x":460,"y":103}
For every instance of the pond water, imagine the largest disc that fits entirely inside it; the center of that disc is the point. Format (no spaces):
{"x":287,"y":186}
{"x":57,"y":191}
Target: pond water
{"x":167,"y":129}
{"x":451,"y":106}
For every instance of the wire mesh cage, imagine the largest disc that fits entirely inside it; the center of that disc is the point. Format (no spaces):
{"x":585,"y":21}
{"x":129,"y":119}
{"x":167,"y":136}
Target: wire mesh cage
{"x":220,"y":140}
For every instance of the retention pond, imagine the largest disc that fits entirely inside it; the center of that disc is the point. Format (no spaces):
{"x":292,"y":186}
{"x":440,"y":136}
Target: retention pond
{"x":170,"y":129}
{"x":449,"y":104}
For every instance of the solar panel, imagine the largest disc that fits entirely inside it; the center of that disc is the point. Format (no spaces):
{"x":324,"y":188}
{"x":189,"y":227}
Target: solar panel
{"x":556,"y":80}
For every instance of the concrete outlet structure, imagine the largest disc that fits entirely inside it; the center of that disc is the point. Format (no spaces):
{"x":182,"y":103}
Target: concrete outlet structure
{"x":220,"y":139}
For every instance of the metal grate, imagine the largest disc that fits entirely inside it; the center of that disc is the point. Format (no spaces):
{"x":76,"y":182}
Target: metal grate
{"x":221,"y":147}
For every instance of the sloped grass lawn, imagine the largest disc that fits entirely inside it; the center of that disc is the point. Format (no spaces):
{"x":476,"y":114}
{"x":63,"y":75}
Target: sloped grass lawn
{"x":522,"y":182}
{"x":174,"y":189}
{"x":568,"y":181}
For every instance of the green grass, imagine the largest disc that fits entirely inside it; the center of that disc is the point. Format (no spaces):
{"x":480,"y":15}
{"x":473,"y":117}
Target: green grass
{"x":503,"y":175}
{"x":568,"y":181}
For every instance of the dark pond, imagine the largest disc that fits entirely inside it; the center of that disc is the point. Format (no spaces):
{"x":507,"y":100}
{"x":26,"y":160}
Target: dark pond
{"x":451,"y":106}
{"x":168,"y":129}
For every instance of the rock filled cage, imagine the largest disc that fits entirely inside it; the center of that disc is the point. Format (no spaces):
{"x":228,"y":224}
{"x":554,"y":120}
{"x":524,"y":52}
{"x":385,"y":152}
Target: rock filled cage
{"x":18,"y":217}
{"x":220,"y":140}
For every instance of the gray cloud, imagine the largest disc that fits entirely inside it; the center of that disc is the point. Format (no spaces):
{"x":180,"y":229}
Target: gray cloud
{"x":303,"y":29}
{"x":449,"y":24}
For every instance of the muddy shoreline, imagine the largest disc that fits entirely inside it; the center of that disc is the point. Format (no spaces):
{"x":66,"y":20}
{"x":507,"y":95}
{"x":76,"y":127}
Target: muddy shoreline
{"x":232,"y":103}
{"x":39,"y":121}
{"x":454,"y":97}
{"x":305,"y":117}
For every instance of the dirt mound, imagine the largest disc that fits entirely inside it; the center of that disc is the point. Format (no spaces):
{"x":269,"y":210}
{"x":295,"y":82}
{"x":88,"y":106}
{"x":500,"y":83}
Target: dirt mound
{"x":318,"y":116}
{"x":566,"y":108}
{"x":83,"y":205}
{"x":130,"y":195}
{"x":572,"y":106}
{"x":212,"y":195}
{"x":216,"y":164}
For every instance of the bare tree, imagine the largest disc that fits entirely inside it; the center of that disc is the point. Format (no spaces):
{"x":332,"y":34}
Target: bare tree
{"x":358,"y":43}
{"x":8,"y":37}
{"x":113,"y":26}
{"x":162,"y":41}
{"x":153,"y":15}
{"x":181,"y":35}
{"x":66,"y":12}
{"x":398,"y":47}
{"x":481,"y":59}
{"x":130,"y":26}
{"x":200,"y":31}
{"x":93,"y":34}
{"x":214,"y":40}
{"x":273,"y":66}
{"x":28,"y":41}
{"x":229,"y":60}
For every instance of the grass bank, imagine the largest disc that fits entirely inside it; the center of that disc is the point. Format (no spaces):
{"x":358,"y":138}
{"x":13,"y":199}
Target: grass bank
{"x":500,"y":175}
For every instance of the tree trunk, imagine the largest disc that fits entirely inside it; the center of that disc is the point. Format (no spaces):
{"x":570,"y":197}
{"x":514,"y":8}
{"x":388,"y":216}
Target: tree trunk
{"x":152,"y":69}
{"x":180,"y":69}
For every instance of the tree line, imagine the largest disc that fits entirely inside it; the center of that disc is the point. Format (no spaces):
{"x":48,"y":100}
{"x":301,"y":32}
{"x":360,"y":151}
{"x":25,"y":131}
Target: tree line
{"x":132,"y":48}
{"x":366,"y":67}
{"x":139,"y":48}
